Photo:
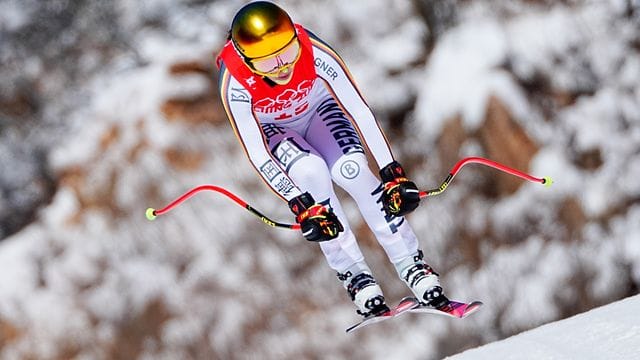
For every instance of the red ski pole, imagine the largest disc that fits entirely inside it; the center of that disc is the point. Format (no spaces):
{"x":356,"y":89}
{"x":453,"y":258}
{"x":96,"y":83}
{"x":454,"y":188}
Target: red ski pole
{"x":546,"y":181}
{"x":152,"y":213}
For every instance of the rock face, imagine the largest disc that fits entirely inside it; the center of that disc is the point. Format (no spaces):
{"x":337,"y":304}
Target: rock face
{"x":504,"y":141}
{"x":204,"y":108}
{"x":25,"y":188}
{"x":501,"y":139}
{"x":86,"y":275}
{"x":48,"y":49}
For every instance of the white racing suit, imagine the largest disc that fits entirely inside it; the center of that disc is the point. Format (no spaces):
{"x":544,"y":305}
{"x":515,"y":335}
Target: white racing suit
{"x":311,"y":132}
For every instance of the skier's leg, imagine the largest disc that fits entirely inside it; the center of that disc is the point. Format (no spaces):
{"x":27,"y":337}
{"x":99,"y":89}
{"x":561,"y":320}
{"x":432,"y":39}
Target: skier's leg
{"x":393,"y":233}
{"x":333,"y":135}
{"x":308,"y":169}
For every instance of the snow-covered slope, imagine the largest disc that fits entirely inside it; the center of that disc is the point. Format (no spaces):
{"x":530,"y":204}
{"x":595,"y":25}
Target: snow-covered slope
{"x":130,"y":119}
{"x":610,"y":332}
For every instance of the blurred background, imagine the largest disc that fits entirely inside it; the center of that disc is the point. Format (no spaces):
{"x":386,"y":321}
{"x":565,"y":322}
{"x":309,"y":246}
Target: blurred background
{"x":110,"y":107}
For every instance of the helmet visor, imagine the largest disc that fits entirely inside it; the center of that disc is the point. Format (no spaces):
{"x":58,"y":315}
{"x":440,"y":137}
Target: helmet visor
{"x":283,"y":59}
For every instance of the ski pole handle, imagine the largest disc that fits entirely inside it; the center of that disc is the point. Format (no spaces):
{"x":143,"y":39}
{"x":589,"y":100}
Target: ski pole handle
{"x":546,"y":181}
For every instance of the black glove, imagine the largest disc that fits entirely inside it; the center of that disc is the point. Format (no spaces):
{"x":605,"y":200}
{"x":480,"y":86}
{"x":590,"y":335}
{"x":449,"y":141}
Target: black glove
{"x":399,"y":196}
{"x":317,"y":222}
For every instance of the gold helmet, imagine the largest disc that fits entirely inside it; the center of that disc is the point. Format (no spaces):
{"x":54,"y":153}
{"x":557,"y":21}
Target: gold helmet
{"x":261,"y":29}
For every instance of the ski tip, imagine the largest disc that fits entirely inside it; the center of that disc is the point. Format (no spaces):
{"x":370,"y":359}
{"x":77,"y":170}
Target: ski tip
{"x":151,"y":214}
{"x":547,"y":181}
{"x":472,"y":307}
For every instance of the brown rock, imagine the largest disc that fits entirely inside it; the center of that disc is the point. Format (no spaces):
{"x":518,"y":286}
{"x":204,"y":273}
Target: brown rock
{"x":202,"y":108}
{"x":8,"y":333}
{"x":506,"y":142}
{"x":184,"y":160}
{"x":140,"y":328}
{"x":572,"y":216}
{"x":451,"y":139}
{"x":589,"y":160}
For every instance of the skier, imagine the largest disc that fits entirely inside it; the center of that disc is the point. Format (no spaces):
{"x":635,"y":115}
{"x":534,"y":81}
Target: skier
{"x":303,"y":123}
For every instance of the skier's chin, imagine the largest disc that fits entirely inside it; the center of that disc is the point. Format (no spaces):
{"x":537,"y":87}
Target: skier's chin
{"x":282,"y":79}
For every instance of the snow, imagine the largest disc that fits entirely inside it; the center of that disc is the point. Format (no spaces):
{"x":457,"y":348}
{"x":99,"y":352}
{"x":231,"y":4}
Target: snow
{"x":610,"y":332}
{"x":12,"y":16}
{"x":89,"y":262}
{"x":461,"y":75}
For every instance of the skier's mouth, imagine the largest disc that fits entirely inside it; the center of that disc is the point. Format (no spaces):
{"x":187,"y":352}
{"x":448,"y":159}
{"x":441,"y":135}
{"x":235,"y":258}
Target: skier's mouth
{"x":283,"y":76}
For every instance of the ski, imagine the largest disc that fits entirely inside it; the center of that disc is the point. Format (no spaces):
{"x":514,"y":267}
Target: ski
{"x":405,"y":305}
{"x":453,"y":309}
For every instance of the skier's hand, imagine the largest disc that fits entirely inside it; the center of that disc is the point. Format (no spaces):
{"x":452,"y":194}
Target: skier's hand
{"x":399,"y":196}
{"x":317,"y":222}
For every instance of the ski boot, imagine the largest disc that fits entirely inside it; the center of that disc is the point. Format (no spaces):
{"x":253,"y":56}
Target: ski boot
{"x":422,"y":280}
{"x":364,"y":291}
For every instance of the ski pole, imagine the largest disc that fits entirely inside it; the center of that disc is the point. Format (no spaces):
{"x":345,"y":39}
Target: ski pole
{"x":152,"y":213}
{"x":546,"y":181}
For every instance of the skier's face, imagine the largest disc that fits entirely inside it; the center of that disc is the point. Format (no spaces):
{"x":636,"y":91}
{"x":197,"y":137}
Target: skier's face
{"x":279,"y":66}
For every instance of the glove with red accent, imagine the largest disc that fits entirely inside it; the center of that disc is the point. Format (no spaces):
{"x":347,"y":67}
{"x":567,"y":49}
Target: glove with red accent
{"x":317,"y":222}
{"x":399,"y":196}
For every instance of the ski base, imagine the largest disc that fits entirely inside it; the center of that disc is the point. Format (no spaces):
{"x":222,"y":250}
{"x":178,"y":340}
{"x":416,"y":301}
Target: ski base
{"x":405,"y":305}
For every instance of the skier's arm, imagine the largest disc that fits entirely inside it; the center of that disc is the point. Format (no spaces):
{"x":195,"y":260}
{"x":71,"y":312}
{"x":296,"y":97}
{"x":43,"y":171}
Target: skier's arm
{"x":237,"y":105}
{"x":331,"y":68}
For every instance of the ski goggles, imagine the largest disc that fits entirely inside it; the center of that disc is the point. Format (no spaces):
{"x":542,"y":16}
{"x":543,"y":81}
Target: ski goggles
{"x":281,"y":61}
